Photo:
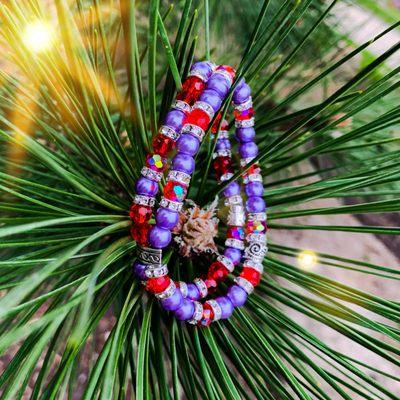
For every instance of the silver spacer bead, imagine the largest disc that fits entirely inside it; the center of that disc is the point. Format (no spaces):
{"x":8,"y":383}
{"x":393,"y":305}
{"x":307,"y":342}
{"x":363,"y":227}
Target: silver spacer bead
{"x":228,"y":264}
{"x":152,"y":175}
{"x":225,"y":74}
{"x":183,"y":288}
{"x":246,"y":123}
{"x":202,"y":105}
{"x":168,"y":292}
{"x":182,"y":106}
{"x":149,"y":256}
{"x":222,"y":153}
{"x":235,"y":243}
{"x":199,"y":74}
{"x":156,"y":272}
{"x":234,"y":200}
{"x":201,"y":285}
{"x":171,"y":205}
{"x":262,"y":216}
{"x":255,"y":252}
{"x":193,"y":130}
{"x":245,"y":161}
{"x":216,"y":308}
{"x":244,"y":284}
{"x":144,"y":200}
{"x":257,"y":238}
{"x":179,"y":176}
{"x":252,"y":178}
{"x":168,"y":131}
{"x":223,"y":135}
{"x":226,"y":177}
{"x":255,"y":265}
{"x":236,"y":216}
{"x":244,"y":106}
{"x":198,"y":313}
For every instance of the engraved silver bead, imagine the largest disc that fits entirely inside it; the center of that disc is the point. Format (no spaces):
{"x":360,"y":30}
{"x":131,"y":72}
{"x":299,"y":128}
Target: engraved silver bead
{"x":168,"y":131}
{"x":235,"y":243}
{"x":255,"y":251}
{"x":168,"y":292}
{"x":246,"y":123}
{"x":198,"y":313}
{"x":149,"y":256}
{"x":216,"y":309}
{"x":171,"y":205}
{"x":234,"y":200}
{"x":193,"y":130}
{"x":152,"y":175}
{"x":182,"y":106}
{"x":228,"y":264}
{"x":244,"y":284}
{"x":236,"y":216}
{"x":179,"y":176}
{"x":202,"y":105}
{"x":244,"y":106}
{"x":144,"y":200}
{"x":156,"y":272}
{"x":201,"y":285}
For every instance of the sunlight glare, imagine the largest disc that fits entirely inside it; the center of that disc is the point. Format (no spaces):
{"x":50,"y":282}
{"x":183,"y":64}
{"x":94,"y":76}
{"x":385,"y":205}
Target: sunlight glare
{"x":38,"y":36}
{"x":307,"y":259}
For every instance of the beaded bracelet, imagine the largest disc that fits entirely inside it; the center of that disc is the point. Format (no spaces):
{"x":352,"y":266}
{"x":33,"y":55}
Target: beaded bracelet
{"x":179,"y":300}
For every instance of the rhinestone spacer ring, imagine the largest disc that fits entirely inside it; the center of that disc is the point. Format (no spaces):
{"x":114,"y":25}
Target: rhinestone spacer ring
{"x":198,"y":74}
{"x":223,"y":135}
{"x":244,"y":106}
{"x":257,"y":238}
{"x":169,"y":132}
{"x":193,"y":130}
{"x":235,"y":243}
{"x":201,"y":285}
{"x":168,"y":292}
{"x":228,"y":264}
{"x":198,"y":313}
{"x":216,"y":309}
{"x":244,"y":284}
{"x":183,"y":288}
{"x":255,"y":265}
{"x":179,"y":176}
{"x":262,"y":216}
{"x":226,"y":177}
{"x":252,"y":178}
{"x":245,"y":161}
{"x":152,"y":175}
{"x":225,"y":74}
{"x":202,"y":105}
{"x":182,"y":106}
{"x":156,"y":272}
{"x":171,"y":205}
{"x":234,"y":200}
{"x":222,"y":153}
{"x":246,"y":123}
{"x":144,"y":200}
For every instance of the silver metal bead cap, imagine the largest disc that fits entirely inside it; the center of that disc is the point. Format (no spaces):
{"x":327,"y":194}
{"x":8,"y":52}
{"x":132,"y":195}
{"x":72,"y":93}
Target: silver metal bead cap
{"x":149,"y":256}
{"x":216,"y":308}
{"x":168,"y":292}
{"x":244,"y":284}
{"x":156,"y":271}
{"x":198,"y":313}
{"x":201,"y":285}
{"x":244,"y":106}
{"x":168,"y":131}
{"x":193,"y":130}
{"x":202,"y":105}
{"x":226,"y":262}
{"x":182,"y":106}
{"x":171,"y":205}
{"x":179,"y":176}
{"x":152,"y":175}
{"x":246,"y":123}
{"x":235,"y":243}
{"x":144,"y":200}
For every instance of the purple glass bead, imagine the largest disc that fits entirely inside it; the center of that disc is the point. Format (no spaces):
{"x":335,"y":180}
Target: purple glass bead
{"x":185,"y":311}
{"x":254,"y":189}
{"x":193,"y":292}
{"x":242,"y":93}
{"x":174,"y":302}
{"x":226,"y":306}
{"x":188,"y":144}
{"x":245,"y":135}
{"x":220,"y":84}
{"x":159,"y":237}
{"x":139,"y":270}
{"x":166,"y":218}
{"x":223,"y":144}
{"x":211,"y":97}
{"x":233,"y":189}
{"x":184,"y":163}
{"x":255,"y":204}
{"x":248,"y":149}
{"x":237,"y":295}
{"x":235,"y":255}
{"x":146,"y":187}
{"x":205,"y":67}
{"x":175,"y":119}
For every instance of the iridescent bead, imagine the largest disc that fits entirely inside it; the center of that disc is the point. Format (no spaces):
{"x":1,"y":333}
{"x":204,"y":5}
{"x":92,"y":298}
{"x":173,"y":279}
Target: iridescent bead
{"x":255,"y":204}
{"x":254,"y":189}
{"x":226,"y":306}
{"x":159,"y":237}
{"x":146,"y":187}
{"x":175,"y":119}
{"x":211,"y":97}
{"x":247,"y":150}
{"x":184,"y":163}
{"x":235,"y":255}
{"x":166,"y":218}
{"x":185,"y":311}
{"x":188,"y":144}
{"x":237,"y":295}
{"x":173,"y":302}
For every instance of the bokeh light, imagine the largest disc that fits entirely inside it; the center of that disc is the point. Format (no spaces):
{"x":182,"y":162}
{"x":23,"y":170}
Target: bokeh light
{"x":38,"y":36}
{"x":307,"y":259}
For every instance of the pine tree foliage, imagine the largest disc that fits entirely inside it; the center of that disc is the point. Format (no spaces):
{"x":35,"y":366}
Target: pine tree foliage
{"x":76,"y":121}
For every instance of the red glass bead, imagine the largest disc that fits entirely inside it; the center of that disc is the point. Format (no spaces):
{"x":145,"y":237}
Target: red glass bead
{"x":245,"y":114}
{"x":208,"y":315}
{"x":254,"y":169}
{"x":198,"y":117}
{"x":251,"y":275}
{"x":217,"y":271}
{"x":140,"y":233}
{"x":156,"y":162}
{"x":235,"y":232}
{"x":211,"y":284}
{"x":222,"y":165}
{"x":163,"y":145}
{"x":191,"y":90}
{"x":224,"y":125}
{"x":228,"y":69}
{"x":175,"y":191}
{"x":214,"y":128}
{"x":140,"y":214}
{"x":157,"y":285}
{"x":256,"y":226}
